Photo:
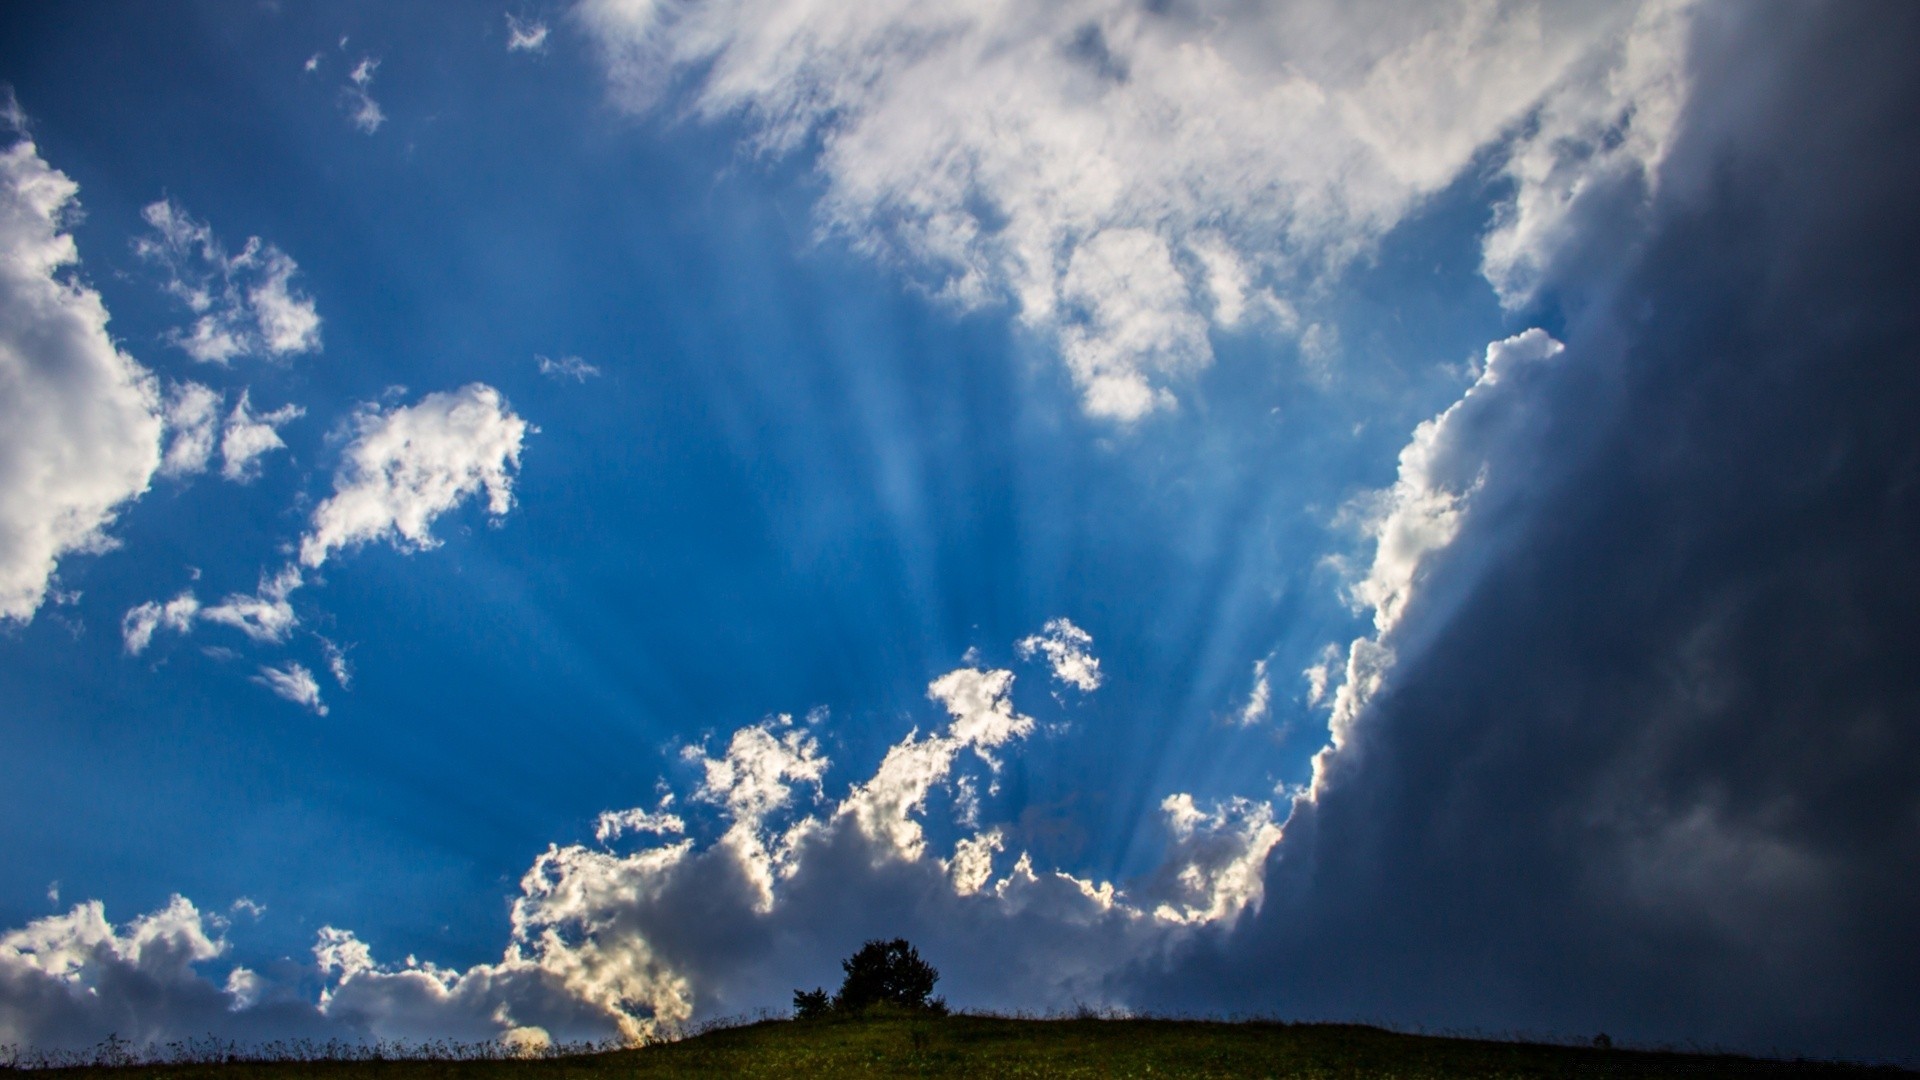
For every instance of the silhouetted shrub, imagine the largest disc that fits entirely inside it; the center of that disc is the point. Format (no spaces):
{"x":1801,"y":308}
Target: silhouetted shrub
{"x":811,"y":1004}
{"x":883,"y":974}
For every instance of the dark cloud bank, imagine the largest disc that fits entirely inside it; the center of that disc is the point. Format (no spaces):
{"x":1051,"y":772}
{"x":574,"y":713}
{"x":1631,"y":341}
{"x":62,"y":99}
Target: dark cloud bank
{"x":1650,"y":760}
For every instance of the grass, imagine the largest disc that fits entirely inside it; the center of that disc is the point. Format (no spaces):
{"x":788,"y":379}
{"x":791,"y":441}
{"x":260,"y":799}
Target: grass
{"x":988,"y":1046}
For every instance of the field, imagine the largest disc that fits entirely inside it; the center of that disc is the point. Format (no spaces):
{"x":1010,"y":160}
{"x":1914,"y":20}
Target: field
{"x":981,"y":1046}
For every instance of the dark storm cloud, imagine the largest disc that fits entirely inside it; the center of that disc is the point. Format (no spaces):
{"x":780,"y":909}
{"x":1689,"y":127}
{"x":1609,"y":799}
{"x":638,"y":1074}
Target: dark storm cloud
{"x":1650,"y":759}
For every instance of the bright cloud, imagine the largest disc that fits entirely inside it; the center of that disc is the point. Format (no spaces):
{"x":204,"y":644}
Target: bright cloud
{"x":1129,"y":178}
{"x":1441,"y":468}
{"x":193,"y":422}
{"x":567,"y":367}
{"x":266,"y":615}
{"x":365,"y":112}
{"x":177,"y":614}
{"x":1069,"y":652}
{"x":407,"y":466}
{"x":1259,"y":699}
{"x":249,"y":436}
{"x":600,"y":943}
{"x":55,"y":969}
{"x":294,"y":683}
{"x":525,"y":35}
{"x":80,"y":421}
{"x":244,"y":305}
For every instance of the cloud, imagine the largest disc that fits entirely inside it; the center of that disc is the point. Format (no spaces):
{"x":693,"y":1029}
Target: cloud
{"x":245,"y":305}
{"x":67,"y":980}
{"x":266,"y":616}
{"x":249,"y":436}
{"x":337,"y":664}
{"x":1616,"y":774}
{"x":1259,"y":699}
{"x":567,"y":367}
{"x":688,"y":917}
{"x":1132,"y":179}
{"x":80,"y":421}
{"x":1069,"y":652}
{"x":365,"y":112}
{"x":407,"y":466}
{"x":193,"y":420}
{"x":177,"y":614}
{"x":525,"y":35}
{"x":294,"y":683}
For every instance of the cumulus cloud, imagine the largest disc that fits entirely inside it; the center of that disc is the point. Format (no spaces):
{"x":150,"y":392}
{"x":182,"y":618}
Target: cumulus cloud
{"x":663,"y":921}
{"x":525,"y":35}
{"x":245,"y":305}
{"x":1069,"y":652}
{"x":193,"y":421}
{"x":406,"y":466}
{"x":1615,"y":773}
{"x":294,"y":683}
{"x":1132,"y":178}
{"x":80,"y":421}
{"x":567,"y":367}
{"x":365,"y":112}
{"x":67,"y":980}
{"x":249,"y":436}
{"x":1446,"y":462}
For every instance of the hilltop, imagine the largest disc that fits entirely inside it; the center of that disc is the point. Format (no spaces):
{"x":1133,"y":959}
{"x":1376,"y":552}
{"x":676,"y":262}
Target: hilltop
{"x":976,"y":1046}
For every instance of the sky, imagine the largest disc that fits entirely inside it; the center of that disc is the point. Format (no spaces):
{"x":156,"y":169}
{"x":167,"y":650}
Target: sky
{"x":559,"y":521}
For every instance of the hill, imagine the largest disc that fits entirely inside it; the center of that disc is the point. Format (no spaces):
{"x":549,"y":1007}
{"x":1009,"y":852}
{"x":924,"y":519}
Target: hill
{"x":984,"y":1046}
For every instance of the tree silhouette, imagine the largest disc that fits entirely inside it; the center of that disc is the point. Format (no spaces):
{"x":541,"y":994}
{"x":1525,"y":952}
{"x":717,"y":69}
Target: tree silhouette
{"x":881,"y":973}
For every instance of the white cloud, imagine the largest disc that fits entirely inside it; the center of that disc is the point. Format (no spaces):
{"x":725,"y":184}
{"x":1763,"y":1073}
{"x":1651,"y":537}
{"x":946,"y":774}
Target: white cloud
{"x":337,"y":664}
{"x":193,"y":420}
{"x":244,"y":305}
{"x":635,"y":943}
{"x":1069,"y":651}
{"x":1259,"y":699}
{"x":1220,"y":865}
{"x":407,"y":466}
{"x":614,"y":824}
{"x":1441,"y":468}
{"x":249,"y":436}
{"x":1129,"y":179}
{"x":364,"y":111}
{"x":294,"y":683}
{"x":567,"y":367}
{"x":266,"y":616}
{"x":525,"y":35}
{"x":80,"y":421}
{"x":1319,"y":674}
{"x":1608,"y":130}
{"x":972,"y":864}
{"x":177,"y":614}
{"x":66,"y":980}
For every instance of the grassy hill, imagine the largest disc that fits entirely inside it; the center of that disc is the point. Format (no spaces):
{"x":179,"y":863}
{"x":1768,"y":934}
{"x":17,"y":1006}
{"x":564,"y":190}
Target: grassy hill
{"x":979,"y":1046}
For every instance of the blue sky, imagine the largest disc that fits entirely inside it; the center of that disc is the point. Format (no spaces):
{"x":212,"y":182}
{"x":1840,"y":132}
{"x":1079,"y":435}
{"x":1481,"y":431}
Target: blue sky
{"x":697,"y":411}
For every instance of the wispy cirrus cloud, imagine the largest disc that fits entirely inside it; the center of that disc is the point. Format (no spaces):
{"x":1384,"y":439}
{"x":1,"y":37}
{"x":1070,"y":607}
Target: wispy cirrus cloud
{"x":566,"y":367}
